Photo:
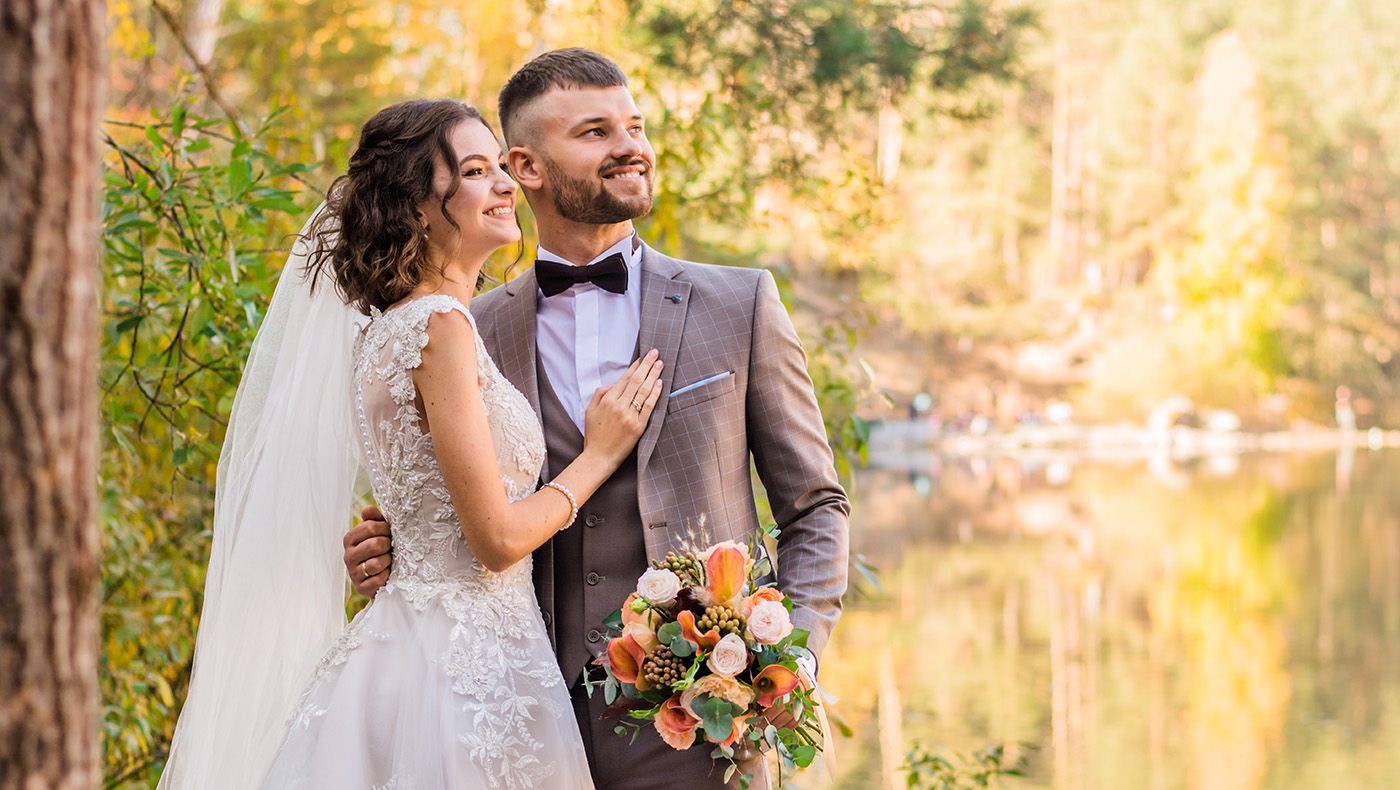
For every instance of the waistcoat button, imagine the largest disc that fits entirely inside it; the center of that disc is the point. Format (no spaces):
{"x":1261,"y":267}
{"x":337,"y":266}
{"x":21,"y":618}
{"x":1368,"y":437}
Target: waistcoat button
{"x":594,"y":578}
{"x":593,"y":520}
{"x":594,"y":635}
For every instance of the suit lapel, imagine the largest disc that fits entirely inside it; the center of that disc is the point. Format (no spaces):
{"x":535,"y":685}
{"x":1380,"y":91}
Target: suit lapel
{"x":515,"y":337}
{"x":665,"y":301}
{"x":515,"y":356}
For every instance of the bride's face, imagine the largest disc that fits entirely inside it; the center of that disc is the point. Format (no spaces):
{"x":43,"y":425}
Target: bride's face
{"x":483,"y":205}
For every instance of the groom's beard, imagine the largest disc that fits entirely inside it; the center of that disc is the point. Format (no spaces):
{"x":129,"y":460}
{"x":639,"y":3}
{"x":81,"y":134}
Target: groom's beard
{"x":576,"y":200}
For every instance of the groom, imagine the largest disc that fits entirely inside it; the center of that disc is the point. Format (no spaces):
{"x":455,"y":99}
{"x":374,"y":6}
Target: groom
{"x":735,"y":386}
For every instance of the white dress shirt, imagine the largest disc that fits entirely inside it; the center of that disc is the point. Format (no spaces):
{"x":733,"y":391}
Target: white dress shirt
{"x":586,"y":337}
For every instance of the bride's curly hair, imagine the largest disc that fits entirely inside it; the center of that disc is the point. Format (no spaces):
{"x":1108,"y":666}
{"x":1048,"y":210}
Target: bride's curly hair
{"x":370,"y":234}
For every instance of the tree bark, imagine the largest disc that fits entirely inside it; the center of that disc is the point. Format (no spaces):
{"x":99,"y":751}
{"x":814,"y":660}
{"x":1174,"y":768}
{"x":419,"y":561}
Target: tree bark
{"x":203,"y":29}
{"x":51,"y":62}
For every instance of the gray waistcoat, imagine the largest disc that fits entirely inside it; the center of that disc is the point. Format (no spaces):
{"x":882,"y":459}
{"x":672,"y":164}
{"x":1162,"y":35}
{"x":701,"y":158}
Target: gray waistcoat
{"x":598,"y":559}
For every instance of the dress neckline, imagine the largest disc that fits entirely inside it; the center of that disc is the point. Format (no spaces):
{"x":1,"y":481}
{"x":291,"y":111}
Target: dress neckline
{"x":403,"y":304}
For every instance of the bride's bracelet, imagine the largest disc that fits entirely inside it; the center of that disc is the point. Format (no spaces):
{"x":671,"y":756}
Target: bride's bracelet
{"x":573,"y":503}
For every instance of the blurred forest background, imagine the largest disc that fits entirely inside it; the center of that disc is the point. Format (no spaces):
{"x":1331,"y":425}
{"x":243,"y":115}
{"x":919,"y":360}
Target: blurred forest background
{"x":1105,"y":203}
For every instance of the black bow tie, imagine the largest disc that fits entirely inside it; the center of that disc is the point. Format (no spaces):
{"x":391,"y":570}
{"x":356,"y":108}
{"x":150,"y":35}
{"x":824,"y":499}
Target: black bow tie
{"x":610,"y":274}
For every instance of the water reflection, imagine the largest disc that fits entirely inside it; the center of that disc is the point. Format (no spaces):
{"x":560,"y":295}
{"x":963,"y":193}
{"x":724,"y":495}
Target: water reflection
{"x":1217,"y":622}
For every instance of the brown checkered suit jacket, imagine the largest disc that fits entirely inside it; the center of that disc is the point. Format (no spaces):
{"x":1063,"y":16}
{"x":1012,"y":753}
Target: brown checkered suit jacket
{"x":693,"y":459}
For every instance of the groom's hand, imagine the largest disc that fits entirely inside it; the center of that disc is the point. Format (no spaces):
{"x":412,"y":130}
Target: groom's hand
{"x":367,"y":557}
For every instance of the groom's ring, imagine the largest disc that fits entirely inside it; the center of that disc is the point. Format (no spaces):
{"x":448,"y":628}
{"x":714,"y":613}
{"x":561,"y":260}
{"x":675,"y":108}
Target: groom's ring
{"x":364,"y":572}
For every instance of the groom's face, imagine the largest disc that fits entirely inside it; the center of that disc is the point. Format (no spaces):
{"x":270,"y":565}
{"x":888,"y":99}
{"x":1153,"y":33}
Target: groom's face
{"x":586,"y":152}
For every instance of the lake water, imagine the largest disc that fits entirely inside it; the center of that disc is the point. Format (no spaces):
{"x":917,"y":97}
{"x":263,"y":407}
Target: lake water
{"x":1228,"y":623}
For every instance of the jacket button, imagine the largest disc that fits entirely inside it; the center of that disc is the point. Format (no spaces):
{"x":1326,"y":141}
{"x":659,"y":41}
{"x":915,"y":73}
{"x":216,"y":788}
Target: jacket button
{"x":593,"y":578}
{"x":548,"y":619}
{"x":594,"y":635}
{"x":593,"y":520}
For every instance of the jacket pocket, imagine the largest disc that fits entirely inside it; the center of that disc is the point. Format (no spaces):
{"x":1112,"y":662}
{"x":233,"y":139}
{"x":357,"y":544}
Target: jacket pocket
{"x":698,"y":392}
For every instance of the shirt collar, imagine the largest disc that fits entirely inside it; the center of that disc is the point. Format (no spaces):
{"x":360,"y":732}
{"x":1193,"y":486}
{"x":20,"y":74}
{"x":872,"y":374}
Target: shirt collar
{"x":630,"y":247}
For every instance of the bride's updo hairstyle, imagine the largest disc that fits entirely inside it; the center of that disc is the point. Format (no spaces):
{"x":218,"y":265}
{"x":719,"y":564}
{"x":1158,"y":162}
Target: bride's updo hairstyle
{"x":370,"y":233}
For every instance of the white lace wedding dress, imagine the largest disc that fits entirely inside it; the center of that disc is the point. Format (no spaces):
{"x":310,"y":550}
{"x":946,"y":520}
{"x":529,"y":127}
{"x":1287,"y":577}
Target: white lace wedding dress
{"x":447,"y":679}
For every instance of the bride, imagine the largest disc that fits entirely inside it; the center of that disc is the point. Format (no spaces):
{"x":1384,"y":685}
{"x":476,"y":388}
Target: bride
{"x":447,"y":679}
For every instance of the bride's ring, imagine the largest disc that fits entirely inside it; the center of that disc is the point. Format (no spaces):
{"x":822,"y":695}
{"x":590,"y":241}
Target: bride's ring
{"x":636,"y":405}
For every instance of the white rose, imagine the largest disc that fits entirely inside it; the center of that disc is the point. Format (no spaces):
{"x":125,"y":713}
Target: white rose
{"x":729,"y":657}
{"x":769,"y":623}
{"x":659,"y":586}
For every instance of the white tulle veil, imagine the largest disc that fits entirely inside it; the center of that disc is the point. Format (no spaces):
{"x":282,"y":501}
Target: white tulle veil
{"x":274,"y":596}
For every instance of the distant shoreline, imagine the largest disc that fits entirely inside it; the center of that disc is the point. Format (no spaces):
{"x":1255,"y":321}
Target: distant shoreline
{"x":1116,"y":442}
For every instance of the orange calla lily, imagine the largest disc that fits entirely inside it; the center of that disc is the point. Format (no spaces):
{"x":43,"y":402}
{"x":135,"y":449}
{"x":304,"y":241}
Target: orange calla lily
{"x":676,"y":724}
{"x":706,"y":640}
{"x":726,"y":570}
{"x":625,"y":658}
{"x":773,"y":682}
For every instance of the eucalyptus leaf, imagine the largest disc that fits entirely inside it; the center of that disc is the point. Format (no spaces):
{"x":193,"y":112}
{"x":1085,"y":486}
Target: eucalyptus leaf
{"x":682,"y":647}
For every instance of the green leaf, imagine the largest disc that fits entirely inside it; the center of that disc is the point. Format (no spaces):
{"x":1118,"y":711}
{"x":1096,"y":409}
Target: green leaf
{"x":613,"y":621}
{"x":668,"y":632}
{"x":177,"y":120}
{"x":277,"y":204}
{"x":682,"y":647}
{"x":716,"y":716}
{"x":240,"y":177}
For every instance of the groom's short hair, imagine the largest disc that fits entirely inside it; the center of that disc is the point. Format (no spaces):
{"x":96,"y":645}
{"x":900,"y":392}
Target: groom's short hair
{"x":573,"y":67}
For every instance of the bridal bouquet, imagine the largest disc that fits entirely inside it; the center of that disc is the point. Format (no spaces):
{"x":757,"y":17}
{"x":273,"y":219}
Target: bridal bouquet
{"x":703,"y":652}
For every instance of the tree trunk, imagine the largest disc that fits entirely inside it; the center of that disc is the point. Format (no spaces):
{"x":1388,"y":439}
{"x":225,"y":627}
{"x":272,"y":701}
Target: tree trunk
{"x":203,"y":29}
{"x":51,"y":61}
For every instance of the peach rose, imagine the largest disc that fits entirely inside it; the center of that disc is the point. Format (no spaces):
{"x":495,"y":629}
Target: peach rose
{"x":644,"y":635}
{"x":769,"y":622}
{"x":763,"y":594}
{"x":729,"y":657}
{"x":727,"y":689}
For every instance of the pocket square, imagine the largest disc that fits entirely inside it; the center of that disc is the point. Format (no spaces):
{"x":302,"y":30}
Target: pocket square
{"x":702,"y":382}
